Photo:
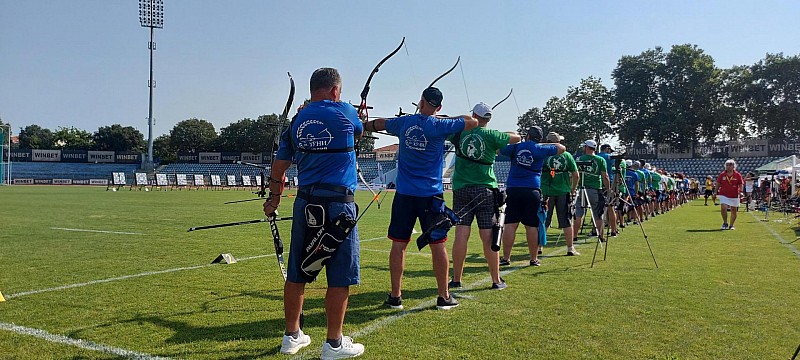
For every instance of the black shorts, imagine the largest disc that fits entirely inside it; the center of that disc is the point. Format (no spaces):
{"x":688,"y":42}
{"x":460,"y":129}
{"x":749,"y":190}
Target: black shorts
{"x":475,"y":201}
{"x":708,"y":193}
{"x":406,"y":209}
{"x":564,"y":208}
{"x":522,"y":205}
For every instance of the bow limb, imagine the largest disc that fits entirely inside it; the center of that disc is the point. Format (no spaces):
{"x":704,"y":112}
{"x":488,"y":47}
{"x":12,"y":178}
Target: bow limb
{"x":446,"y":72}
{"x":363,"y":113}
{"x":504,"y":99}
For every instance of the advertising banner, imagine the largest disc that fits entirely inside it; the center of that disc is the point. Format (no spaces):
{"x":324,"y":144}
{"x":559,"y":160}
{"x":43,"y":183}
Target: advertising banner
{"x":230,"y":157}
{"x":101,"y":156}
{"x":23,"y":181}
{"x":62,"y":181}
{"x":641,"y":151}
{"x":186,"y":157}
{"x":784,"y":147}
{"x":669,"y":152}
{"x":20,"y":155}
{"x":45,"y":155}
{"x":74,"y":156}
{"x":747,"y":148}
{"x":254,"y":158}
{"x":209,"y":157}
{"x":711,"y":150}
{"x":103,"y":182}
{"x":128,"y":157}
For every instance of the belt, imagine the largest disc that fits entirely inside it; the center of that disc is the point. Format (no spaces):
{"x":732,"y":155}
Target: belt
{"x":344,"y":195}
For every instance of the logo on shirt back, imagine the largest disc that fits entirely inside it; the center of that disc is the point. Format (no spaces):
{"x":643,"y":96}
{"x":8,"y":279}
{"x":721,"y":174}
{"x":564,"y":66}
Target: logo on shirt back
{"x":313,"y":134}
{"x":525,"y":157}
{"x":472,"y":146}
{"x":415,"y":138}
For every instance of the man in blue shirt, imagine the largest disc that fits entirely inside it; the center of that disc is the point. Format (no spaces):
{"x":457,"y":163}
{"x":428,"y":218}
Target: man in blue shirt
{"x":320,"y":141}
{"x":420,"y":160}
{"x":632,"y":181}
{"x":523,"y":189}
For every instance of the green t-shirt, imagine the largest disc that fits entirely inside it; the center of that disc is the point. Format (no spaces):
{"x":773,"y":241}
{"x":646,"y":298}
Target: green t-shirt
{"x":592,"y":175}
{"x":478,"y":144}
{"x":655,"y":179}
{"x":642,"y":182}
{"x":556,"y":174}
{"x":623,"y":169}
{"x":670,"y":183}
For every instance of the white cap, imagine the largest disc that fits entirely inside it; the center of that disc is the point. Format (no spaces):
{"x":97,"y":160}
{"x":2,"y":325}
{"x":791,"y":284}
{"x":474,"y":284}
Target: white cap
{"x":590,"y":143}
{"x":628,"y":163}
{"x":648,"y":166}
{"x":482,"y":110}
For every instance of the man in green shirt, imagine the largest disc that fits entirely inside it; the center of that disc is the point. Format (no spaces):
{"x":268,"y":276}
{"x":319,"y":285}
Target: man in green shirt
{"x":559,"y":183}
{"x":474,"y":182}
{"x":594,"y":179}
{"x":655,"y":184}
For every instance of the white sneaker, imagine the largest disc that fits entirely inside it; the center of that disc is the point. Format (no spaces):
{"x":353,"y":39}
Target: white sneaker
{"x":291,"y":345}
{"x":348,"y":349}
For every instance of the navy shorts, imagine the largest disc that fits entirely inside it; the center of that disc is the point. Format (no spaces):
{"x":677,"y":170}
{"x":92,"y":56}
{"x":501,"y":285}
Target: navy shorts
{"x":406,"y":209}
{"x":522,"y":205}
{"x":342,"y":269}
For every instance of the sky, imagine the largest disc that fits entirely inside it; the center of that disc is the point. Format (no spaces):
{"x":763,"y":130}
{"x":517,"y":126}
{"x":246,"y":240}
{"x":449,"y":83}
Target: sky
{"x":85,"y":63}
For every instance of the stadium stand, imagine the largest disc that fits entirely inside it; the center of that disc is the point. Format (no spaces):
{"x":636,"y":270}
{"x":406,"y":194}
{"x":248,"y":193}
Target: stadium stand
{"x":75,"y":171}
{"x":709,"y":166}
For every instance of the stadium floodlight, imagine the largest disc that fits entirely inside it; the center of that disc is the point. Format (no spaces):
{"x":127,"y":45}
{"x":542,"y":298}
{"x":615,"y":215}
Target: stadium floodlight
{"x":151,"y":15}
{"x":5,"y":166}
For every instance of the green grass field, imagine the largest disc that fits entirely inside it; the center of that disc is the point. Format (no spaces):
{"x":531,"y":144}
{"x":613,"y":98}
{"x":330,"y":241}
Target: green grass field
{"x":716,"y":295}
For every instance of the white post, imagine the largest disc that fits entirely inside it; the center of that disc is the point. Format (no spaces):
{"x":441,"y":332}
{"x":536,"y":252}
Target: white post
{"x":793,"y":177}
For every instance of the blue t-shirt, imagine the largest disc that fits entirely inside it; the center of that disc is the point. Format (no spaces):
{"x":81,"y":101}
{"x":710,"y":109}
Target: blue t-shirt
{"x":527,"y":159}
{"x":323,"y":125}
{"x":631,"y":177}
{"x":609,"y":165}
{"x":420,"y":156}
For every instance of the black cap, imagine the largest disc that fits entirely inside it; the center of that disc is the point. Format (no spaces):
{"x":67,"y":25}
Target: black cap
{"x":606,"y":146}
{"x":433,"y":96}
{"x":535,"y":133}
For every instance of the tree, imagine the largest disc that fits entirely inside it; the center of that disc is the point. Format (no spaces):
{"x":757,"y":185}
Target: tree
{"x":773,"y":96}
{"x":247,"y":135}
{"x":635,"y":96}
{"x":72,"y":138}
{"x":163,"y":150}
{"x":118,"y":138}
{"x":35,"y":137}
{"x":193,"y":135}
{"x":530,"y":118}
{"x":591,"y":109}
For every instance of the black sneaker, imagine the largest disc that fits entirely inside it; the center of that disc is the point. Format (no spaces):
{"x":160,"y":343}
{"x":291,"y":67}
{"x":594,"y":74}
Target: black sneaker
{"x":539,"y":252}
{"x":447,"y":304}
{"x":453,"y":284}
{"x":536,"y":262}
{"x":502,"y":285}
{"x":394,"y":302}
{"x":614,"y":234}
{"x":504,"y":262}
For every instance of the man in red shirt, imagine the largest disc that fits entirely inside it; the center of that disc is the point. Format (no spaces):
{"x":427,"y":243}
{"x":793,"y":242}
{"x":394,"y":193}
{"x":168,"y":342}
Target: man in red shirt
{"x":729,"y":183}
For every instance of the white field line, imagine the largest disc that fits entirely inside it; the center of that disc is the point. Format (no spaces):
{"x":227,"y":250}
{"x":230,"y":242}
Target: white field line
{"x":97,"y":231}
{"x":778,"y":236}
{"x":89,"y":345}
{"x":148,"y":273}
{"x":383,"y":322}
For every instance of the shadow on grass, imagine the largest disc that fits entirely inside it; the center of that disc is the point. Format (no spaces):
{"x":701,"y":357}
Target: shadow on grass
{"x":702,"y":230}
{"x":185,"y":329}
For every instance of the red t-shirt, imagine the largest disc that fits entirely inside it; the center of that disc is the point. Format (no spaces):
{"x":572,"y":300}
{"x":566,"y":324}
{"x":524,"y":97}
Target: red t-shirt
{"x":730,"y":185}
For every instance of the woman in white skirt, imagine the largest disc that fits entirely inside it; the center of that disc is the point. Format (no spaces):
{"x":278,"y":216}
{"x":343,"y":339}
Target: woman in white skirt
{"x":729,"y":185}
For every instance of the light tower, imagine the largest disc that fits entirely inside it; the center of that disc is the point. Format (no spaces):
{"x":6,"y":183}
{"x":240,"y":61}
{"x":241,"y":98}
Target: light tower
{"x":151,"y":15}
